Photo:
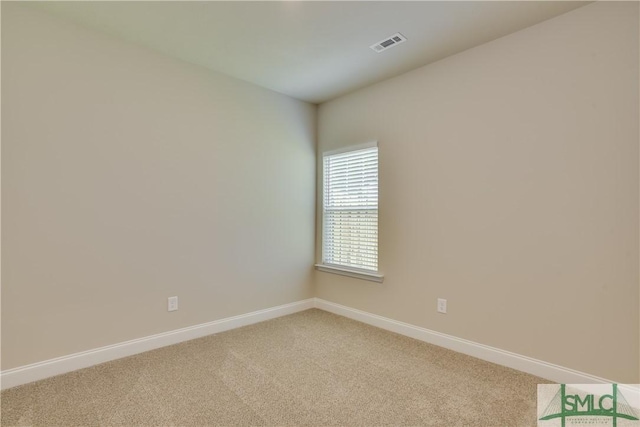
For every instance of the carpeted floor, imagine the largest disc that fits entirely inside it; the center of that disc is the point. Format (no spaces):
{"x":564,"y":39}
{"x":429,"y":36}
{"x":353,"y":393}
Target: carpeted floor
{"x":309,"y":368}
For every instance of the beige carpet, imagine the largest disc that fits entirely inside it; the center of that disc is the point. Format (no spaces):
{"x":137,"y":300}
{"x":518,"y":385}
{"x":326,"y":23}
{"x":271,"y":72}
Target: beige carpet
{"x":309,"y":368}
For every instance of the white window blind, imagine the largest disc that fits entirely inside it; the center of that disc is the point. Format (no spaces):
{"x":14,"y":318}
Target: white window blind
{"x":350,"y":212}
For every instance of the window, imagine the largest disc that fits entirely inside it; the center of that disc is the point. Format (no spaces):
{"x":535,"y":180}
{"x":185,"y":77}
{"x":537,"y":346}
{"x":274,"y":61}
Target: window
{"x":350,"y":212}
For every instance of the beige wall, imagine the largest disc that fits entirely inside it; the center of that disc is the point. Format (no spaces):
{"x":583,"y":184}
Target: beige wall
{"x":509,"y":186}
{"x":129,"y":177}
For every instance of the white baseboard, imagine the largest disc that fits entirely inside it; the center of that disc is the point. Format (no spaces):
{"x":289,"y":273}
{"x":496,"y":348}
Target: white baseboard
{"x":48,"y":368}
{"x":526,"y":364}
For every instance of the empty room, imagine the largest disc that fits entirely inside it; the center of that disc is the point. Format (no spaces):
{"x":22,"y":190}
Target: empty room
{"x":322,"y":213}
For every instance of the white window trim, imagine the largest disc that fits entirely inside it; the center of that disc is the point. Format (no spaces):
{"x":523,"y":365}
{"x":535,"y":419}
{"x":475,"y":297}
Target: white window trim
{"x":374,"y":276}
{"x":351,"y":148}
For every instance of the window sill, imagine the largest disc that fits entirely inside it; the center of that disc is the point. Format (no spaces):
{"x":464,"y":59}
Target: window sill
{"x":346,"y":271}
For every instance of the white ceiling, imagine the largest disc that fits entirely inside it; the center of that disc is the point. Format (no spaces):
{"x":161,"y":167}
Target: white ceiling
{"x":312,"y":51}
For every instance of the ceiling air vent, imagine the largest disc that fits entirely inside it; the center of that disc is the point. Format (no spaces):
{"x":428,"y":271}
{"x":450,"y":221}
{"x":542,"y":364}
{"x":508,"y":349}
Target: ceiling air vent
{"x":389,"y":42}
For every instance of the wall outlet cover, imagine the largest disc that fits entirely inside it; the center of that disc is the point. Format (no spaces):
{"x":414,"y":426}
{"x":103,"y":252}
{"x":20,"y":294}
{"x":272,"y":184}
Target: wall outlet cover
{"x":172,"y":304}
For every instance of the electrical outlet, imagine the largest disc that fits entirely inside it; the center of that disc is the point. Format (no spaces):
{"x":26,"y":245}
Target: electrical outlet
{"x":442,"y":305}
{"x":172,"y":304}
